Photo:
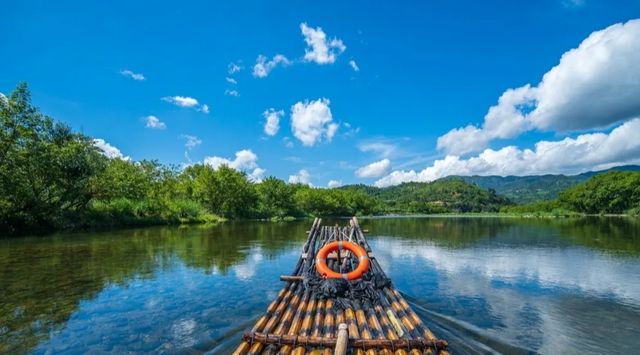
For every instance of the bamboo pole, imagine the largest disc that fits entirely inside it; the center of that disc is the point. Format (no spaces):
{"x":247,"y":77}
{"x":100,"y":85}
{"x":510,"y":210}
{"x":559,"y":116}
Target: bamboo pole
{"x":339,"y":320}
{"x":354,"y":332}
{"x":376,"y":328}
{"x":318,"y":321}
{"x":296,"y":322}
{"x":282,"y":318}
{"x":306,"y":325}
{"x":272,"y":310}
{"x":329,"y":320}
{"x":365,"y":332}
{"x":342,"y":340}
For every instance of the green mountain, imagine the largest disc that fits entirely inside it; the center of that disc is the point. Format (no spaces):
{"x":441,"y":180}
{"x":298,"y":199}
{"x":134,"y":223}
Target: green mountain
{"x":611,"y":192}
{"x":535,"y":188}
{"x":475,"y":193}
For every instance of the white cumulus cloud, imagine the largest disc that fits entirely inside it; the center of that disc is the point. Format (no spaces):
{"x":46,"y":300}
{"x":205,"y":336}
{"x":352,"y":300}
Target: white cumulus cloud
{"x":108,"y":150}
{"x":272,"y":121}
{"x":231,"y":80}
{"x":312,"y":120}
{"x":375,"y":169}
{"x":302,"y":177}
{"x":256,"y":175}
{"x":186,"y":101}
{"x":319,"y":48}
{"x":154,"y":122}
{"x":264,"y":66}
{"x":334,"y":183}
{"x":245,"y":160}
{"x":593,"y":86}
{"x":591,"y":151}
{"x":132,"y":75}
{"x":182,"y":101}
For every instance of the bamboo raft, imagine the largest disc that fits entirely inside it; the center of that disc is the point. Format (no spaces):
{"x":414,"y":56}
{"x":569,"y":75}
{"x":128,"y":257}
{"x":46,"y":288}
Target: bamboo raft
{"x":298,"y":321}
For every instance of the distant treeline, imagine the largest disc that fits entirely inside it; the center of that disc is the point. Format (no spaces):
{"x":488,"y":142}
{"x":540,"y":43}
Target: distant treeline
{"x":440,"y":196}
{"x":52,"y":178}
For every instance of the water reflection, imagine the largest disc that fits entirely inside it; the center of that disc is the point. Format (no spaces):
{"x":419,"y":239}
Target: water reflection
{"x":546,"y":289}
{"x":44,"y":281}
{"x":613,"y":234}
{"x":502,"y":284}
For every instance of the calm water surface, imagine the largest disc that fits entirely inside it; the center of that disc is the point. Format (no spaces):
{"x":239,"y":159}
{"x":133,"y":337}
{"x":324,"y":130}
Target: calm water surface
{"x":485,"y":284}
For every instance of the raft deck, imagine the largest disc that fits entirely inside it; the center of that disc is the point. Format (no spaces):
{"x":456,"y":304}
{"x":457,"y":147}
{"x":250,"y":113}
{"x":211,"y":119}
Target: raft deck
{"x":308,"y":318}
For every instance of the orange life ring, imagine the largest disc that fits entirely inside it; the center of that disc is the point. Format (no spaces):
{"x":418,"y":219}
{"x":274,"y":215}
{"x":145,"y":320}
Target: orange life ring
{"x":323,"y":269}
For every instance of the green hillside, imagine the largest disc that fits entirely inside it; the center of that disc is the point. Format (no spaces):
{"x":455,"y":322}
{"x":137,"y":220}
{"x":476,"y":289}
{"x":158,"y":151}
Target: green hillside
{"x":441,"y":196}
{"x":611,"y":192}
{"x":535,"y":188}
{"x":491,"y":193}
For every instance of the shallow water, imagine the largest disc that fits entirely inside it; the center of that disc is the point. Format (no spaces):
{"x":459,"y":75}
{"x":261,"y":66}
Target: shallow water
{"x":485,"y":284}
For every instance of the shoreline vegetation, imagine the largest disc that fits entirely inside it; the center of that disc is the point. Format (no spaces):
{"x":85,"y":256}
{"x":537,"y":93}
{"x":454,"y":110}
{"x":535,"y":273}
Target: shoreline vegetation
{"x":52,"y":178}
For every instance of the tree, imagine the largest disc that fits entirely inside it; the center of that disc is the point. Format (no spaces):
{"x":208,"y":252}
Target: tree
{"x":224,"y":191}
{"x":610,"y":192}
{"x":45,"y":168}
{"x":124,"y":179}
{"x":276,"y":198}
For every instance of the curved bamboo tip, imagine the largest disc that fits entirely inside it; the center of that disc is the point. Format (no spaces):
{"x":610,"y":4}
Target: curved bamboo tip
{"x":342,"y":341}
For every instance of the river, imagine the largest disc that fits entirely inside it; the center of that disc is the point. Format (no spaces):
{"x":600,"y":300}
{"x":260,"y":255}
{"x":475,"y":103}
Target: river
{"x":486,"y":285}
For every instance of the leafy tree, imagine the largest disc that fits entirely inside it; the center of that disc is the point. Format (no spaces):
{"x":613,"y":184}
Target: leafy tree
{"x":276,"y":198}
{"x":224,"y":191}
{"x":124,"y":179}
{"x":611,"y":192}
{"x":45,"y":168}
{"x":335,"y":202}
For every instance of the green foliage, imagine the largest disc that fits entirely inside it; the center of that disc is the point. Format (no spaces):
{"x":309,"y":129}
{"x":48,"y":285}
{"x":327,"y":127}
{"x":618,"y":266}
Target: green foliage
{"x":335,"y":202}
{"x":224,"y":191}
{"x":276,"y":199}
{"x":535,"y":188}
{"x":440,"y":196}
{"x":611,"y":192}
{"x":553,"y":208}
{"x":45,"y":169}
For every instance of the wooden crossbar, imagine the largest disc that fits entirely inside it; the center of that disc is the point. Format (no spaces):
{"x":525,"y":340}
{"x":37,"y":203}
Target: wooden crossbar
{"x":334,"y":255}
{"x":311,"y":341}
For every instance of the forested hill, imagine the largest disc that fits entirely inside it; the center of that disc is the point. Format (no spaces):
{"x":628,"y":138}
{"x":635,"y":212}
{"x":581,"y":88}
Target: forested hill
{"x":441,"y":196}
{"x":476,"y":193}
{"x":535,"y":188}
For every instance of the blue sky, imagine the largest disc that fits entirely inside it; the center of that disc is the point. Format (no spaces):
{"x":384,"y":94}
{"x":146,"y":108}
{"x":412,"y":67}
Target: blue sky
{"x":425,"y":72}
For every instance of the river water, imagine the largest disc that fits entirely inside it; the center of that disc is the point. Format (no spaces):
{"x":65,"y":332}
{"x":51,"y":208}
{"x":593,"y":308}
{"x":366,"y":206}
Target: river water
{"x":485,"y":284}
